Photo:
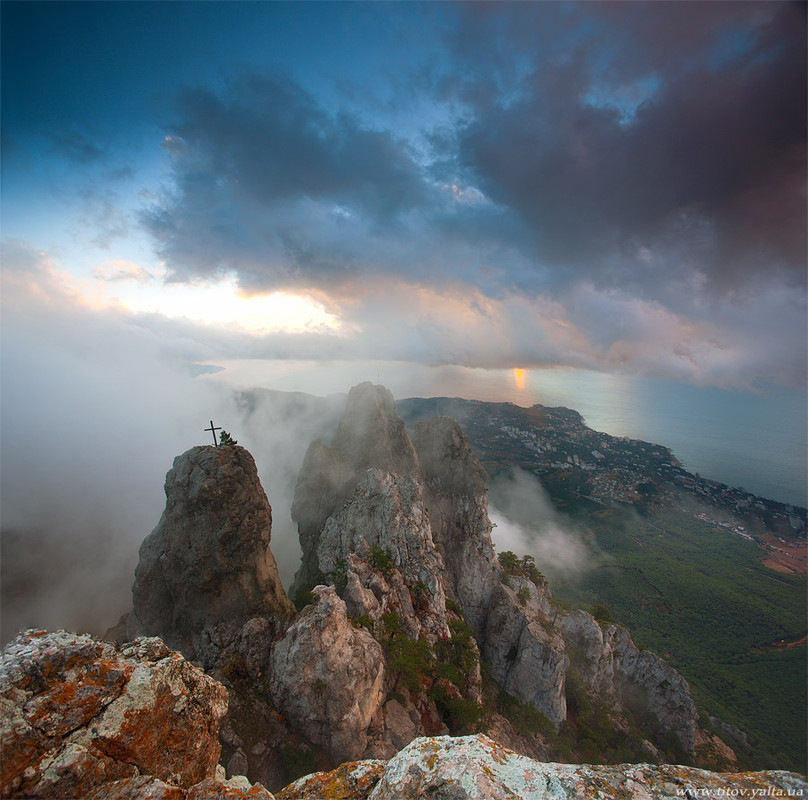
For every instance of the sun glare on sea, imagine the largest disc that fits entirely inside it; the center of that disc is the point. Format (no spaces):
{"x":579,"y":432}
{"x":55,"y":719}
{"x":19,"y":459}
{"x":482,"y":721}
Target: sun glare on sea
{"x":519,"y":379}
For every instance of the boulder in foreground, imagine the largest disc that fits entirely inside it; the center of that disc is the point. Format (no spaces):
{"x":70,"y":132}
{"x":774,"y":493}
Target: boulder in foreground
{"x":477,"y":768}
{"x":82,"y":718}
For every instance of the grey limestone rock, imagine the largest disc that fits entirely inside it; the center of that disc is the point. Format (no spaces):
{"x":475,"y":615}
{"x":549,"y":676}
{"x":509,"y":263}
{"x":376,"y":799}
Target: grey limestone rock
{"x":207,"y":567}
{"x":328,"y":677}
{"x":386,"y":512}
{"x":612,"y":666}
{"x":528,"y":658}
{"x":369,"y":434}
{"x":457,"y":499}
{"x":400,"y":728}
{"x":598,"y":657}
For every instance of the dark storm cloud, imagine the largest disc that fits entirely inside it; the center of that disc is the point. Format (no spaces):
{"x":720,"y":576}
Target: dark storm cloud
{"x":627,"y":181}
{"x":713,"y":158}
{"x":636,"y":145}
{"x":240,"y":163}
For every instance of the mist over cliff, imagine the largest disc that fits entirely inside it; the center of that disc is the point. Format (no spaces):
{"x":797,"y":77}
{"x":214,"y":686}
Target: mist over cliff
{"x":81,"y":488}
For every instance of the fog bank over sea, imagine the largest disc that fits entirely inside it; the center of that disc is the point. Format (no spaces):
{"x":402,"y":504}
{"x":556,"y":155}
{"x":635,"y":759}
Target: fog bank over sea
{"x":757,"y":440}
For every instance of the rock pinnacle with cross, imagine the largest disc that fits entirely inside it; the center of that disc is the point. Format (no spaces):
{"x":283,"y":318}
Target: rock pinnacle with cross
{"x":213,"y":430}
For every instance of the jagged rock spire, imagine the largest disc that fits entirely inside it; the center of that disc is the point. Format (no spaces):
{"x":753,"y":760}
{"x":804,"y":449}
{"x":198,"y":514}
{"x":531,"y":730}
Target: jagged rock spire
{"x":207,"y":568}
{"x":370,"y":434}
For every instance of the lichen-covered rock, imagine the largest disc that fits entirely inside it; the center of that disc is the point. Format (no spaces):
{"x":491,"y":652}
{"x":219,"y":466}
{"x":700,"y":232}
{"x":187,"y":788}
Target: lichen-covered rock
{"x":146,"y":787}
{"x":228,"y":790}
{"x":207,"y":568}
{"x":328,"y":677}
{"x":350,"y":781}
{"x":476,"y":768}
{"x":78,"y":713}
{"x":143,"y":787}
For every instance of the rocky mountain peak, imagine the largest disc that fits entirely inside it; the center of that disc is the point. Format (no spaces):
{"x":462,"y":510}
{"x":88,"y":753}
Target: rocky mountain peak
{"x":371,"y":434}
{"x":207,"y":567}
{"x":401,"y":597}
{"x":400,"y":527}
{"x":446,"y":457}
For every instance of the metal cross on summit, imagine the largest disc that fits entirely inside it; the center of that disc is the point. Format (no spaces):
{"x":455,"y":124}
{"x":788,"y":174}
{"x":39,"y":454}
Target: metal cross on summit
{"x":213,"y":430}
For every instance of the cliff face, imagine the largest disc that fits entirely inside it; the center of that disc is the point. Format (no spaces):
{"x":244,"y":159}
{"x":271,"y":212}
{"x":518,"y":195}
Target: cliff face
{"x":207,"y":568}
{"x":404,"y":598}
{"x":421,"y":506}
{"x":612,"y":666}
{"x":457,"y":499}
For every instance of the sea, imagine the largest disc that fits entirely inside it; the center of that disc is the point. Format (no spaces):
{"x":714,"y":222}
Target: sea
{"x":757,"y":440}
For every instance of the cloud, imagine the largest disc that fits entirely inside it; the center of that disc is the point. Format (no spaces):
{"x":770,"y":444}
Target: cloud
{"x":96,"y":405}
{"x":94,"y":409}
{"x":606,"y":186}
{"x":250,"y":168}
{"x":527,"y":524}
{"x":713,"y":159}
{"x":77,"y":146}
{"x":119,"y":270}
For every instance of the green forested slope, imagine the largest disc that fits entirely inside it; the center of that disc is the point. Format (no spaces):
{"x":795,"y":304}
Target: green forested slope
{"x":699,"y":595}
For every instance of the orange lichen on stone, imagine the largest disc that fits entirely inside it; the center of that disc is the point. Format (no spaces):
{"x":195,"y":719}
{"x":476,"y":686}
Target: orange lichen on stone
{"x":350,"y":781}
{"x":76,"y":714}
{"x":498,"y":752}
{"x":214,"y":790}
{"x":19,"y":753}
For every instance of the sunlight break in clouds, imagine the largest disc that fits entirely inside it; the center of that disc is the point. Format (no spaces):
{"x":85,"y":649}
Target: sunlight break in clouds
{"x":222,"y":303}
{"x":212,"y":302}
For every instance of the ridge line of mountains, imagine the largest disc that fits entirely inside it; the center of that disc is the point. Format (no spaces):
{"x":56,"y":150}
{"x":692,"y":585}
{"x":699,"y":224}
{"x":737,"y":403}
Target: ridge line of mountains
{"x":408,"y":624}
{"x":609,"y":468}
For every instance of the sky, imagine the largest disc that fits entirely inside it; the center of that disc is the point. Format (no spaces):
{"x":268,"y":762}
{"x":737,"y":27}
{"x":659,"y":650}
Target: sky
{"x":610,"y":187}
